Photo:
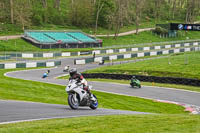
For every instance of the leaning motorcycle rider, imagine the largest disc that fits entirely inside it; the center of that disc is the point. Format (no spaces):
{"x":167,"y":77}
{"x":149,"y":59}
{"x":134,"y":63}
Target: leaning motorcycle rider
{"x":80,"y":79}
{"x":133,"y":79}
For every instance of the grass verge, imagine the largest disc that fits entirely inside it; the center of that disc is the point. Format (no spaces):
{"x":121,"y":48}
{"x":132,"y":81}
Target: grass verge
{"x":178,"y":65}
{"x":145,"y":37}
{"x":115,"y":123}
{"x":19,"y":45}
{"x":184,"y":87}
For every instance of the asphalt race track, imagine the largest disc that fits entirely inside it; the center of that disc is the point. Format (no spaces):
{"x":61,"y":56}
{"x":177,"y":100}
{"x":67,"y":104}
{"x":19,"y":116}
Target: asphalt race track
{"x":12,"y":111}
{"x":18,"y":111}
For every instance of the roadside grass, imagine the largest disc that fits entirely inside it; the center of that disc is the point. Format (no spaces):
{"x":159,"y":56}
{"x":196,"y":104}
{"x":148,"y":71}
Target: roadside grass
{"x":178,"y":65}
{"x":17,"y":89}
{"x":16,"y":45}
{"x":9,"y":29}
{"x":114,"y":123}
{"x":184,"y":87}
{"x":19,"y":45}
{"x":145,"y":37}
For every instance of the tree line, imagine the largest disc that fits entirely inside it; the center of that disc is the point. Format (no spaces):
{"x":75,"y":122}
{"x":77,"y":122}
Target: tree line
{"x":110,"y":14}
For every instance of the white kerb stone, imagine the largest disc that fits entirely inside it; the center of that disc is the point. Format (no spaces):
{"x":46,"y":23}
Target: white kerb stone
{"x":127,"y":56}
{"x":80,"y":62}
{"x":177,"y":45}
{"x":47,"y":55}
{"x":50,"y":64}
{"x":167,"y":46}
{"x":134,"y":49}
{"x":26,"y":55}
{"x":96,"y":52}
{"x":140,"y":54}
{"x":31,"y":64}
{"x":66,"y":54}
{"x":113,"y":57}
{"x":195,"y":43}
{"x":10,"y":65}
{"x":146,"y":48}
{"x":98,"y":59}
{"x":109,"y":51}
{"x":153,"y":53}
{"x":187,"y":49}
{"x":186,"y":44}
{"x":165,"y":52}
{"x":122,"y":50}
{"x":176,"y":50}
{"x":157,"y":47}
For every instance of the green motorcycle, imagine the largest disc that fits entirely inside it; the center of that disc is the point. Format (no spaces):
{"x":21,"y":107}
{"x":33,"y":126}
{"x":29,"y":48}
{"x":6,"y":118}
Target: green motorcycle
{"x":135,"y":82}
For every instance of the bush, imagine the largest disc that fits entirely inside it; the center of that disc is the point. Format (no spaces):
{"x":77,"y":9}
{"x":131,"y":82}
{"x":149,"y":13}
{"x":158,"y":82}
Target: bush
{"x":9,"y":29}
{"x":57,"y":19}
{"x":37,"y":20}
{"x":160,"y":31}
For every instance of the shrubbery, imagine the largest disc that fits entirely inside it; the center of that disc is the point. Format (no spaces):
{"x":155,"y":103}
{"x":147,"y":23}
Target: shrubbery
{"x":160,"y":31}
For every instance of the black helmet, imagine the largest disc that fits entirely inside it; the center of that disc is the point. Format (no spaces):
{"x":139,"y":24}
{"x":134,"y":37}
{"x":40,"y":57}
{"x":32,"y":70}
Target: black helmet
{"x":72,"y":71}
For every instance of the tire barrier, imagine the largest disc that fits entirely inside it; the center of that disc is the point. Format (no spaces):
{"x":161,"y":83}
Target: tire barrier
{"x":29,"y":64}
{"x":134,"y":55}
{"x":168,"y":80}
{"x":96,"y":52}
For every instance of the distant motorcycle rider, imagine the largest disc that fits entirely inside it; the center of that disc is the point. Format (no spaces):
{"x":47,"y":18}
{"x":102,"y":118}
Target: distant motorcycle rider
{"x":80,"y":79}
{"x":133,"y":79}
{"x":46,"y":74}
{"x":135,"y":82}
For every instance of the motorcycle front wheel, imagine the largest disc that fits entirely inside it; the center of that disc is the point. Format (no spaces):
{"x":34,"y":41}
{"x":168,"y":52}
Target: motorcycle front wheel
{"x":73,"y":101}
{"x":94,"y":104}
{"x":132,"y":85}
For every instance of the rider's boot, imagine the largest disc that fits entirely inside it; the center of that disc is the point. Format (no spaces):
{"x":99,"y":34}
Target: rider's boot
{"x":92,"y":98}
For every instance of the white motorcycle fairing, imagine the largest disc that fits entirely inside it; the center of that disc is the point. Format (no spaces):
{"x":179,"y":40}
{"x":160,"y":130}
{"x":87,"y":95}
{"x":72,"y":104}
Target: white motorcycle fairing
{"x":74,"y":87}
{"x":77,"y":96}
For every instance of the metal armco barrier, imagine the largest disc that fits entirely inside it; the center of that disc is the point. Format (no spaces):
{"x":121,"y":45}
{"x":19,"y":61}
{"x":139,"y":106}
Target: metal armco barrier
{"x":168,"y":80}
{"x":133,"y":55}
{"x":105,"y":51}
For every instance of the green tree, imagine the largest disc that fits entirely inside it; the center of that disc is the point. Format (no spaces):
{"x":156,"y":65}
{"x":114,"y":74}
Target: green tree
{"x":99,"y":7}
{"x":11,"y":12}
{"x":22,"y":13}
{"x":4,"y":11}
{"x":82,"y":13}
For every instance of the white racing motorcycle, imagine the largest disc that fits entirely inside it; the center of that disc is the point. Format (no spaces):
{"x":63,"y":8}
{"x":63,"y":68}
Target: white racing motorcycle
{"x":79,"y":97}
